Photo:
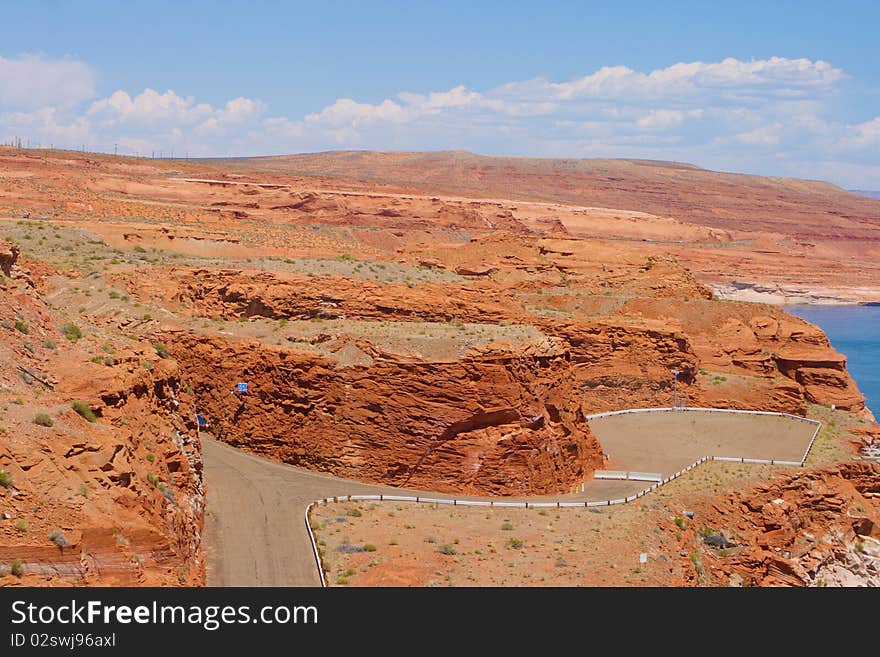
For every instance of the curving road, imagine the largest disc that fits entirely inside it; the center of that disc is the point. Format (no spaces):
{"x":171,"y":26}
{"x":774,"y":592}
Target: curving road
{"x":255,"y":531}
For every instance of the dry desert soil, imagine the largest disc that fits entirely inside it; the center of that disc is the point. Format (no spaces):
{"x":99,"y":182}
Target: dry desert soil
{"x":439,"y":323}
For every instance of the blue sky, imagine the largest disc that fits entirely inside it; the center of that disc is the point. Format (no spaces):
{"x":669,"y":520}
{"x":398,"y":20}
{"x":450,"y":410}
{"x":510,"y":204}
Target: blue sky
{"x":776,"y":88}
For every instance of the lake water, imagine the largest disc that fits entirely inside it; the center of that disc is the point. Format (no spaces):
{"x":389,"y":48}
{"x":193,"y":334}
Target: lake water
{"x":855,"y":332}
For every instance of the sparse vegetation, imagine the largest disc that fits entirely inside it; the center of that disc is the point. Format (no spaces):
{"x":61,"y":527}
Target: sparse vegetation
{"x":84,"y":410}
{"x":21,"y":327}
{"x":16,"y":567}
{"x":369,"y":547}
{"x":160,"y":348}
{"x":59,"y":539}
{"x":5,"y":479}
{"x":43,"y":420}
{"x":72,"y":332}
{"x":447,"y":549}
{"x":514,"y":544}
{"x":680,"y":522}
{"x":22,"y":525}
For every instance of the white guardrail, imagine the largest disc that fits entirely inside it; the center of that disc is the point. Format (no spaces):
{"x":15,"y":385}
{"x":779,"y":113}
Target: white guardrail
{"x":657,"y":478}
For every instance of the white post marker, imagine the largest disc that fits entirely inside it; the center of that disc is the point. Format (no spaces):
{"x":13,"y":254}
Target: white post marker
{"x":643,"y":557}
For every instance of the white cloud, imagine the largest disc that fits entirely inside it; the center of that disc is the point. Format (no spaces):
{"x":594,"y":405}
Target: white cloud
{"x":666,"y":119}
{"x":148,"y":108}
{"x":346,"y":112}
{"x":776,"y":76}
{"x":30,"y":82}
{"x":864,"y":135}
{"x":765,"y":135}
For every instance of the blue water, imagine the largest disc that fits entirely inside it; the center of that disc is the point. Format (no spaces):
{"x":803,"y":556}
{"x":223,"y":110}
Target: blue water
{"x":855,"y":332}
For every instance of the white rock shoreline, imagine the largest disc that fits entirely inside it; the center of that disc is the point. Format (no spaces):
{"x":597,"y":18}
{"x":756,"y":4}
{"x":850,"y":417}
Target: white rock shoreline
{"x":781,"y":295}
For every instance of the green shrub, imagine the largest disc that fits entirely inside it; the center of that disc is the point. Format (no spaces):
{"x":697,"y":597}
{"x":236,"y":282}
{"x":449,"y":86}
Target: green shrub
{"x":96,"y":359}
{"x":680,"y":522}
{"x":160,"y":348}
{"x":447,"y":549}
{"x":16,"y":567}
{"x":43,"y":420}
{"x":369,"y":547}
{"x":5,"y":479}
{"x":21,"y":525}
{"x":139,"y":249}
{"x":515,"y":544}
{"x":354,"y":513}
{"x":84,"y":410}
{"x":21,"y":327}
{"x":506,"y":526}
{"x":71,"y":331}
{"x":151,"y":457}
{"x":49,"y":344}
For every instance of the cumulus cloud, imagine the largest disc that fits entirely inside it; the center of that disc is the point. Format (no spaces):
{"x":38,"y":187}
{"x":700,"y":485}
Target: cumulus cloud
{"x":730,"y":77}
{"x":30,"y":82}
{"x":346,"y":112}
{"x":666,"y":119}
{"x":772,"y":113}
{"x":864,"y":135}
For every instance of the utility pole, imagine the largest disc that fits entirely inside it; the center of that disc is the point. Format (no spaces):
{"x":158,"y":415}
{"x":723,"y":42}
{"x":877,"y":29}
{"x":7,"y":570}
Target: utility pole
{"x":114,"y":149}
{"x":675,"y":389}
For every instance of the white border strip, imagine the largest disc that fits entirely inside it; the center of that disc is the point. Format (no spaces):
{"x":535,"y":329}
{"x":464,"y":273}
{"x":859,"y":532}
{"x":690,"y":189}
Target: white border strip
{"x":315,"y":545}
{"x":697,"y":408}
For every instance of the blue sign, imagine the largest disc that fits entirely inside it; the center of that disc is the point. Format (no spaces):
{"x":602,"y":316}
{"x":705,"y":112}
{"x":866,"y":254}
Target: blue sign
{"x":241,"y":387}
{"x":202,"y":421}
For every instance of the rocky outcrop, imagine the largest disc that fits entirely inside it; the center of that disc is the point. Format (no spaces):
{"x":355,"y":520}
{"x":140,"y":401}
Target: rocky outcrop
{"x":9,"y":252}
{"x":501,"y":425}
{"x":105,"y":473}
{"x":812,"y":528}
{"x":621,"y":359}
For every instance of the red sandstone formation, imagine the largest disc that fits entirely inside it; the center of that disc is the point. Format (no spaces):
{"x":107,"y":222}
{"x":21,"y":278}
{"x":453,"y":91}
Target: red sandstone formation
{"x":501,"y":425}
{"x":812,"y":528}
{"x":80,"y":506}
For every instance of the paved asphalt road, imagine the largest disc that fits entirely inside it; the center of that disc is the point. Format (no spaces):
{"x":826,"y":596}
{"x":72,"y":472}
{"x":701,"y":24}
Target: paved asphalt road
{"x":255,"y":531}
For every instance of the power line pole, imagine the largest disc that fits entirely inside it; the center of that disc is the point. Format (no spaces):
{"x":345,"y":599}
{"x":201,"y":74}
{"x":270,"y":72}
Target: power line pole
{"x":675,"y":389}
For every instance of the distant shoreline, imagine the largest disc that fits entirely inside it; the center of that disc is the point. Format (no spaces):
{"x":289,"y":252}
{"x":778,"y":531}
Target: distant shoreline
{"x":783,"y":295}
